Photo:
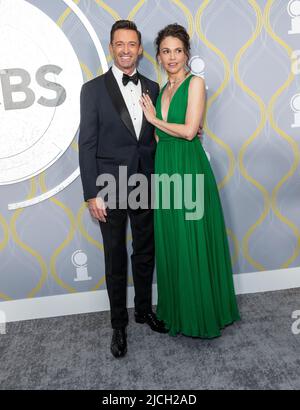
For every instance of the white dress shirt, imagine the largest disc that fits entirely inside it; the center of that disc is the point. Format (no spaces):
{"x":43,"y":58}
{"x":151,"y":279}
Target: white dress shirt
{"x":131,"y":94}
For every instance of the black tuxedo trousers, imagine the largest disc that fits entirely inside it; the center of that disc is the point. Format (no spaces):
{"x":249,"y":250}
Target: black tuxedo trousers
{"x":142,"y":261}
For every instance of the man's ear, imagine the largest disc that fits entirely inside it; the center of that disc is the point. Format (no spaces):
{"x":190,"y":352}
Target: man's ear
{"x":110,"y":49}
{"x":141,"y":50}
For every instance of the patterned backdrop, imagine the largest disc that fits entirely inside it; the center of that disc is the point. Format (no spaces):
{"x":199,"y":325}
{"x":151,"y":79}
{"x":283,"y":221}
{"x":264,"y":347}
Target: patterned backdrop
{"x":248,"y":53}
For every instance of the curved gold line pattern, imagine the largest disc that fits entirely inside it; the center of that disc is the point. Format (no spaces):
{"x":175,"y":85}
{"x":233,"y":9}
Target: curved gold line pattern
{"x":109,"y":10}
{"x":88,"y":73}
{"x":89,"y":76}
{"x":90,"y":239}
{"x":83,"y":206}
{"x":74,"y":145}
{"x":99,"y":283}
{"x":156,"y":66}
{"x":67,"y":240}
{"x":83,"y":231}
{"x":25,"y":247}
{"x":3,"y":244}
{"x":188,"y":15}
{"x":260,"y":103}
{"x":236,"y":245}
{"x":16,"y":214}
{"x":109,"y":60}
{"x":115,"y":16}
{"x":152,"y":60}
{"x":135,"y":9}
{"x":5,"y":297}
{"x":289,"y":139}
{"x":211,"y":100}
{"x":60,"y":21}
{"x":100,"y":71}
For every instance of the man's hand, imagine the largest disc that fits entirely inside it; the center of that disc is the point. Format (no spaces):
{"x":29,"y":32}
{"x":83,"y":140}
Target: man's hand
{"x":97,"y":209}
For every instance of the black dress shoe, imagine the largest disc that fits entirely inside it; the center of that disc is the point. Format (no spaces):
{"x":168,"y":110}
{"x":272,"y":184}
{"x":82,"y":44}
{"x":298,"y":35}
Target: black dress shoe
{"x":151,"y":320}
{"x":118,"y":345}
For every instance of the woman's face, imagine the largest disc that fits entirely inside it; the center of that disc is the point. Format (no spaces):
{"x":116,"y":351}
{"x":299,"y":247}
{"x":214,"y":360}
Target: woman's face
{"x":171,"y":55}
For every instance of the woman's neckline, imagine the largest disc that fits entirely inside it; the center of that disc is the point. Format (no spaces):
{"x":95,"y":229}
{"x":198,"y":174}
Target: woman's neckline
{"x":182,"y":82}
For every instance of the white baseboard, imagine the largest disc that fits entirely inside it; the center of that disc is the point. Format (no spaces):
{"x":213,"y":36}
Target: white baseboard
{"x":267,"y":281}
{"x":96,"y":301}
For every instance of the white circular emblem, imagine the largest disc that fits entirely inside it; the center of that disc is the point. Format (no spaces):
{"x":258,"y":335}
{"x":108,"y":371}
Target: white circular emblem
{"x":294,"y":8}
{"x":79,"y":258}
{"x":40,"y":82}
{"x":295,"y":103}
{"x":197,"y":65}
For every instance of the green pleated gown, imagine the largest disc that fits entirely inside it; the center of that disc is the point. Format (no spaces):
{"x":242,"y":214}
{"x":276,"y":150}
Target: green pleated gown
{"x":194,"y":274}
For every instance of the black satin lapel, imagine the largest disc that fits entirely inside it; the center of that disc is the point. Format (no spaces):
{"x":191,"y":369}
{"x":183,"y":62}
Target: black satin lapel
{"x":118,"y":101}
{"x":146,"y":91}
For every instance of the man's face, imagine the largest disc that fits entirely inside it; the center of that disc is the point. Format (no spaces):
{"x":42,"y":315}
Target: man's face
{"x":125,"y":50}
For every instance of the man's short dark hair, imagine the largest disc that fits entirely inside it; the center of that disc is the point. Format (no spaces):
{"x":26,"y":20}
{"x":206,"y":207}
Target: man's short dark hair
{"x":127,"y":25}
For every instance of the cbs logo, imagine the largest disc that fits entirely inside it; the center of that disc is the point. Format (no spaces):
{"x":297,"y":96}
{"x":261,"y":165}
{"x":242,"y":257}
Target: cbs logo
{"x":23,"y":86}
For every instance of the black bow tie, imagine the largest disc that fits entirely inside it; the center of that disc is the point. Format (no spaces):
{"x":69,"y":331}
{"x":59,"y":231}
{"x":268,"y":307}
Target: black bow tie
{"x":134,"y":78}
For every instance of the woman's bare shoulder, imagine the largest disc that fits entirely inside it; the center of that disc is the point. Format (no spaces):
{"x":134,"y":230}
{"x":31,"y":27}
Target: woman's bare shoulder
{"x":197,"y":82}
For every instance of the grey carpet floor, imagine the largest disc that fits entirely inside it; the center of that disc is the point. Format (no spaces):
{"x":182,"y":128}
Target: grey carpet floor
{"x":72,"y":352}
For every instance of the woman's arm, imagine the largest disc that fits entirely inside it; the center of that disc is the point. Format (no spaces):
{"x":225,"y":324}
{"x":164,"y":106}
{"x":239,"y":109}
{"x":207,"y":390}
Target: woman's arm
{"x":194,"y":113}
{"x":156,"y":136}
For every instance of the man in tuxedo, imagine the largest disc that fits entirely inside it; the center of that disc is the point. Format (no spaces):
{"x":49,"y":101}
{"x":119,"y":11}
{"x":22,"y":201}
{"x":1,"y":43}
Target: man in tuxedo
{"x":114,"y":133}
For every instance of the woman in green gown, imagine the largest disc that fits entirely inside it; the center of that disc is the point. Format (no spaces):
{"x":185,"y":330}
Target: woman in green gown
{"x":194,"y":274}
